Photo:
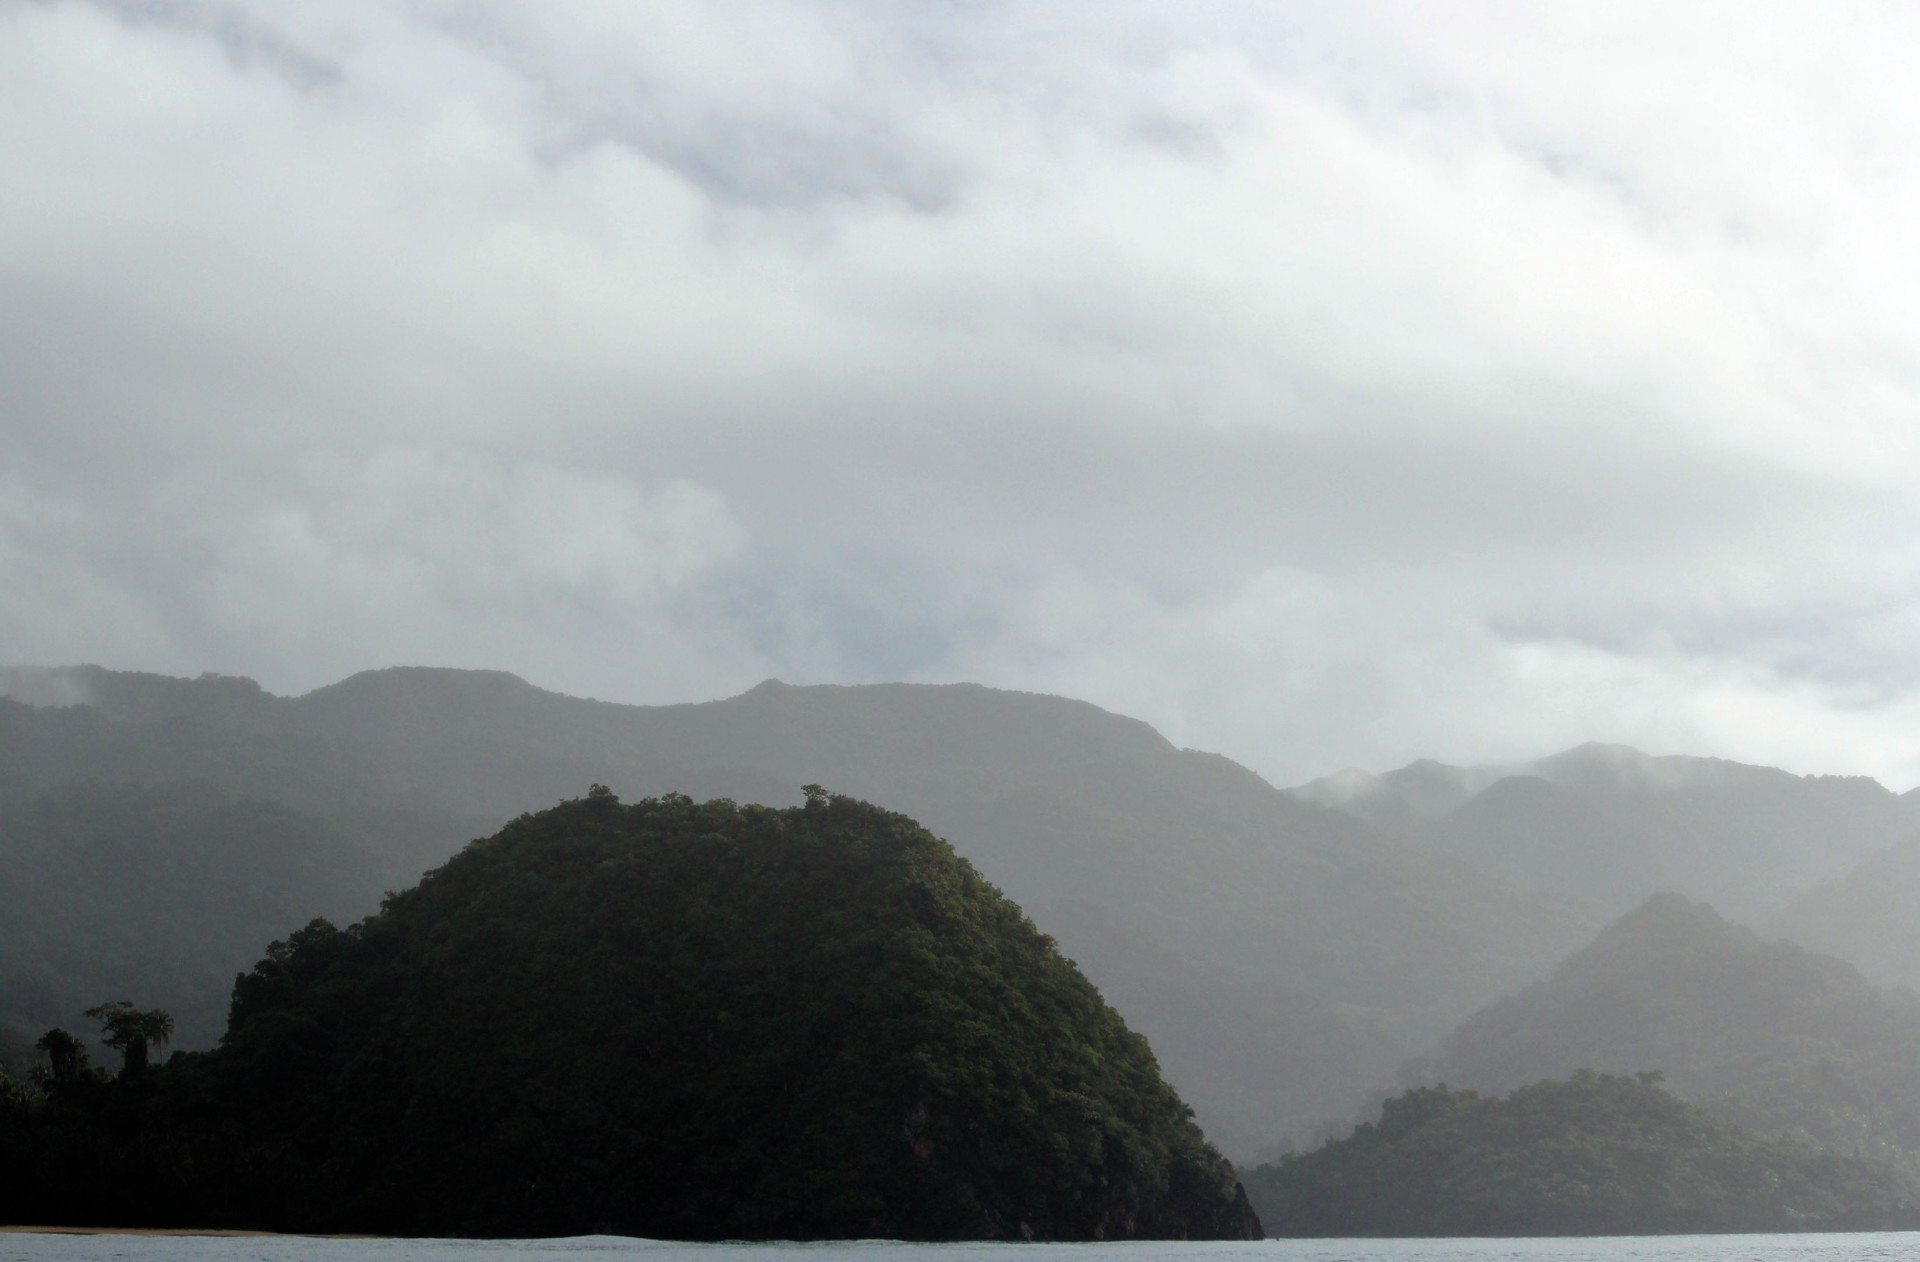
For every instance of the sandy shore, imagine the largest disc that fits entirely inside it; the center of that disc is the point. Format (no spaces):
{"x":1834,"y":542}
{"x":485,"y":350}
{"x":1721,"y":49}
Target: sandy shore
{"x":171,"y":1231}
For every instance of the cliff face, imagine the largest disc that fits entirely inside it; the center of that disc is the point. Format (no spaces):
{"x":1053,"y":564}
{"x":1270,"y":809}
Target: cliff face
{"x":1237,"y":1221}
{"x":699,"y":1021}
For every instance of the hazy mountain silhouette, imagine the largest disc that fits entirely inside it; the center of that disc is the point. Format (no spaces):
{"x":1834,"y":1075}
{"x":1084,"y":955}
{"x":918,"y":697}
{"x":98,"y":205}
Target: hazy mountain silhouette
{"x":1281,"y":957}
{"x":1775,"y":1036}
{"x":1609,"y":826}
{"x":1866,"y":917}
{"x":165,"y":889}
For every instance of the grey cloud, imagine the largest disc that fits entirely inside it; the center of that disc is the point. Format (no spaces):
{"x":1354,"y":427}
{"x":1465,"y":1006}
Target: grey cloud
{"x":1328,"y":388}
{"x":248,"y":41}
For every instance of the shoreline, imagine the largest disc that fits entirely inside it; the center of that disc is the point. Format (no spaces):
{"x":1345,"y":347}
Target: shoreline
{"x":181,"y":1231}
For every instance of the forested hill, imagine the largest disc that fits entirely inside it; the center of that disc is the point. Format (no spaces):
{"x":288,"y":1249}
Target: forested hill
{"x":1283,"y":958}
{"x":1591,"y":1155}
{"x":1765,"y":1032}
{"x":1610,"y":826}
{"x":667,"y":1020}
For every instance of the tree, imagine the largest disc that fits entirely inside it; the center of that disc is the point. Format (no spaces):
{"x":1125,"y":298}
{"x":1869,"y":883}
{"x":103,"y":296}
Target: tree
{"x":129,"y":1031}
{"x":67,"y":1055}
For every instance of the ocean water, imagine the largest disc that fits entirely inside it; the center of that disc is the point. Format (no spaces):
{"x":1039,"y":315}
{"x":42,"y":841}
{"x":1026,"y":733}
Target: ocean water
{"x":1857,"y":1247}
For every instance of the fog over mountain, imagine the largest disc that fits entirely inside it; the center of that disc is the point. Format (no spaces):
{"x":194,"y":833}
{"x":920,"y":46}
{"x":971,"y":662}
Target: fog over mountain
{"x":1066,"y":425}
{"x":1281,"y":958}
{"x":1326,"y":385}
{"x":1865,"y":916}
{"x":1774,"y":1036}
{"x":1606,"y":826}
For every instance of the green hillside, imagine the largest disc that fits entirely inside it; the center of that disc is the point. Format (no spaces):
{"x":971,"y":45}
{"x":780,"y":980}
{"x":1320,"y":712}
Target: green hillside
{"x":666,"y":1019}
{"x":1590,"y":1155}
{"x":1283,"y":958}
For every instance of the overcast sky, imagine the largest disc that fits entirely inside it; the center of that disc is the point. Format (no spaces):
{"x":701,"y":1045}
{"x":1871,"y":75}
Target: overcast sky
{"x":1326,"y":384}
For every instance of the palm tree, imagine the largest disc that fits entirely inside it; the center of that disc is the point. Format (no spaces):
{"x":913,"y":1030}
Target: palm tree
{"x":130,"y":1031}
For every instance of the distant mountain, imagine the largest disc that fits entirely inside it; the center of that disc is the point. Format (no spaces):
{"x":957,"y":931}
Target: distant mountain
{"x":1608,"y":826}
{"x":1589,"y":1155}
{"x":1405,"y":801}
{"x":1765,"y":1032}
{"x":1282,"y":958}
{"x":1867,"y":917}
{"x":669,"y":1019}
{"x":113,"y":891}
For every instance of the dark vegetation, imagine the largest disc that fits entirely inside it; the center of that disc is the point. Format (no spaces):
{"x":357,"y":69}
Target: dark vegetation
{"x":668,"y":1019}
{"x":1764,"y":1032}
{"x":1283,"y":958}
{"x":1593,"y":1154}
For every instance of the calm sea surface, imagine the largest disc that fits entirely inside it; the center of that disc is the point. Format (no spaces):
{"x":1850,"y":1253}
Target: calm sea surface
{"x":1840,"y":1248}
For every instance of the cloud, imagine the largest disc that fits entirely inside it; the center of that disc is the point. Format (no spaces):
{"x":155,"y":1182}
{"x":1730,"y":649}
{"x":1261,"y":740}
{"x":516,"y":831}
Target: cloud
{"x":1325,"y":387}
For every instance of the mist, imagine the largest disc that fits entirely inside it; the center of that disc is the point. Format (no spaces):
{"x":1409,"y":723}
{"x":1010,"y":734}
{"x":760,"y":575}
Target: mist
{"x":960,"y":621}
{"x":1328,"y":389}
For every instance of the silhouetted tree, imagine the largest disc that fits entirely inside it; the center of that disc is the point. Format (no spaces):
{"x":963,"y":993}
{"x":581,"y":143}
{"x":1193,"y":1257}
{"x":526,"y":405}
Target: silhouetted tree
{"x":129,"y":1031}
{"x":66,"y":1055}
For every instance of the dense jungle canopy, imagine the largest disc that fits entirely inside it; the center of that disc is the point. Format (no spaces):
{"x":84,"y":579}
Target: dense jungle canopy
{"x":666,"y":1019}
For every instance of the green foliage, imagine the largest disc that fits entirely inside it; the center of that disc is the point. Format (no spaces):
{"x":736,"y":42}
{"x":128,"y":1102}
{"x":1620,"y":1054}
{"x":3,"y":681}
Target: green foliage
{"x":1282,"y":958}
{"x":82,"y":1147}
{"x":682,"y":1020}
{"x":1594,"y":1154}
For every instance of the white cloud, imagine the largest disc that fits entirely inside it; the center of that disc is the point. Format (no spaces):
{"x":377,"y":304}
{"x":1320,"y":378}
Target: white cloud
{"x":466,"y":561}
{"x":1326,"y":386}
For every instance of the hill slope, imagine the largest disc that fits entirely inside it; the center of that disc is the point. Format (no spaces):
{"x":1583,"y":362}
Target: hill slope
{"x":169,"y":889}
{"x":1591,"y":1155}
{"x":1765,"y":1032}
{"x":1610,"y":826}
{"x":1282,"y":957}
{"x":684,"y":1021}
{"x":1865,"y":917}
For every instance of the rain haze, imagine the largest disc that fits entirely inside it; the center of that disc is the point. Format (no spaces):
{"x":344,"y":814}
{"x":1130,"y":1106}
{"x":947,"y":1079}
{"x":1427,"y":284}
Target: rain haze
{"x":1325,"y":385}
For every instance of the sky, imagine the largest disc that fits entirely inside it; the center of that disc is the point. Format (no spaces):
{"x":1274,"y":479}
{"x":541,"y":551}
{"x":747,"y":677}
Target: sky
{"x":1328,"y":385}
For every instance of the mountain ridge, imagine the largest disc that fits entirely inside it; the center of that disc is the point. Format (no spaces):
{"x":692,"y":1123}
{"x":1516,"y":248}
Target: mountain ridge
{"x":1608,"y":825}
{"x":1354,"y":949}
{"x":1777,"y":1037}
